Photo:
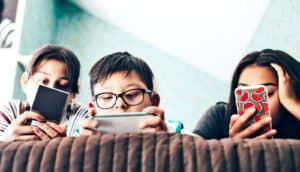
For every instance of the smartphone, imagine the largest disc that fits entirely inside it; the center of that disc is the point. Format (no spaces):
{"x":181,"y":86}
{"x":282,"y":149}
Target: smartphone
{"x":50,"y":102}
{"x":121,"y":122}
{"x":257,"y":96}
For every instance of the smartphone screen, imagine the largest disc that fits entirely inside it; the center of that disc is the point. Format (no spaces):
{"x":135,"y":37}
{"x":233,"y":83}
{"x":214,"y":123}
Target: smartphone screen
{"x":257,"y":96}
{"x":50,"y":102}
{"x":121,"y":122}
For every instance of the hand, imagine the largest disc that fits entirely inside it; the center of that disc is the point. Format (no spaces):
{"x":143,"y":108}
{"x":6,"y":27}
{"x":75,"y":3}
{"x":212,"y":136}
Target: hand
{"x":18,"y":130}
{"x":237,"y":123}
{"x":49,"y":130}
{"x":286,"y":92}
{"x":87,"y":125}
{"x":155,"y":123}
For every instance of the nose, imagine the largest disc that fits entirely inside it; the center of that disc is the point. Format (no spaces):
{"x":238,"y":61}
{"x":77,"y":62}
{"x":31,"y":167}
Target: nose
{"x":120,"y":103}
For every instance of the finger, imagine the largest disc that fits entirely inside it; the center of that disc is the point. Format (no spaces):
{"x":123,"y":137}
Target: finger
{"x":22,"y":130}
{"x":153,"y":122}
{"x":156,"y":111}
{"x":242,"y":120}
{"x":249,"y":131}
{"x":92,"y":109}
{"x":40,"y":133}
{"x":47,"y":129}
{"x":279,"y":70}
{"x":88,"y":123}
{"x":87,"y":132}
{"x":267,"y":135}
{"x":21,"y":120}
{"x":27,"y":138}
{"x":233,"y":119}
{"x":148,"y":130}
{"x":61,"y":130}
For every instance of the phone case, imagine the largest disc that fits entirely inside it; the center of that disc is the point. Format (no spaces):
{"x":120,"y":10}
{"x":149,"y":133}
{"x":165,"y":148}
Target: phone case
{"x":257,"y":96}
{"x":121,"y":122}
{"x":50,"y":102}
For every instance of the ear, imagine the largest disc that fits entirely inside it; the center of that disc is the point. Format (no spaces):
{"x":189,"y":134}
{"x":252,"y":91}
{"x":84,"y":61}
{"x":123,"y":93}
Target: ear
{"x":155,"y":99}
{"x":24,"y":80}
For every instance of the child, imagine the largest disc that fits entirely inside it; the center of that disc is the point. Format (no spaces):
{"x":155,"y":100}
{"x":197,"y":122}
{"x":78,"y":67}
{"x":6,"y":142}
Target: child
{"x":55,"y":67}
{"x":122,"y":83}
{"x":280,"y":73}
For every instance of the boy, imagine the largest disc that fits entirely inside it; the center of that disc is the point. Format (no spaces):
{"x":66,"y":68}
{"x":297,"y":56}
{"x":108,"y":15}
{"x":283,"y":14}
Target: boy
{"x":114,"y":80}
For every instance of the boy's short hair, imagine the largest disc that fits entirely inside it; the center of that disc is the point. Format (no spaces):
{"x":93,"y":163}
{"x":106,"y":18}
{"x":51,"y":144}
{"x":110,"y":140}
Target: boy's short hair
{"x":60,"y":54}
{"x":120,"y":62}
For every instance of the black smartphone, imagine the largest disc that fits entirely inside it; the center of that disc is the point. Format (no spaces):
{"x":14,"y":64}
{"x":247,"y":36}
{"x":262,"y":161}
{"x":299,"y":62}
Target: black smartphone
{"x":50,"y":102}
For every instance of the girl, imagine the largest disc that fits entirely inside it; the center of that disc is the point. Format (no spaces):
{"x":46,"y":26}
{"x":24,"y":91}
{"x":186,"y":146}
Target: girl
{"x":55,"y":67}
{"x":280,"y":73}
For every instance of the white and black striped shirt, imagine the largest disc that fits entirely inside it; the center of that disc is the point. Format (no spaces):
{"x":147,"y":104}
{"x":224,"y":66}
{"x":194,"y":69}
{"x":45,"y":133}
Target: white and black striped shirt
{"x":14,"y":108}
{"x":7,"y":29}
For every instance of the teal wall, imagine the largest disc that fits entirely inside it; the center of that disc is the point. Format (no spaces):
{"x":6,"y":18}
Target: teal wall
{"x":185,"y":91}
{"x":279,"y":28}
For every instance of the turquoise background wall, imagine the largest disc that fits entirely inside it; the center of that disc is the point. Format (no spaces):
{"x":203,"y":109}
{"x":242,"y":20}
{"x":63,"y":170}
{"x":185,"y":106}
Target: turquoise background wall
{"x":185,"y":91}
{"x":279,"y":28}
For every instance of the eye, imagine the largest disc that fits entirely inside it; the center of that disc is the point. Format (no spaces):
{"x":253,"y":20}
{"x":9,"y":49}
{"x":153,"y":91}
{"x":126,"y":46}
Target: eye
{"x":132,"y":94}
{"x":43,"y":81}
{"x":270,"y":94}
{"x":62,"y":85}
{"x":105,"y":96}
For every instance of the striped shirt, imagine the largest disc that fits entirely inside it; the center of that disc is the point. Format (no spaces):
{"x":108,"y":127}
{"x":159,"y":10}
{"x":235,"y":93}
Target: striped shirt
{"x":14,"y":108}
{"x":7,"y":30}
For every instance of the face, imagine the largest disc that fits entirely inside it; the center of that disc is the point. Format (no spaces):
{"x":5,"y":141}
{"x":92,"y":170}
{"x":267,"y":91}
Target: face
{"x":119,"y":83}
{"x":258,"y":75}
{"x":51,"y":73}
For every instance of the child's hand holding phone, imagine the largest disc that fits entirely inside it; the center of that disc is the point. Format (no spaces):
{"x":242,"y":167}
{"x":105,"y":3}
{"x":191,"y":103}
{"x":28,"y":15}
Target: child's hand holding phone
{"x":150,"y":120}
{"x":253,"y":119}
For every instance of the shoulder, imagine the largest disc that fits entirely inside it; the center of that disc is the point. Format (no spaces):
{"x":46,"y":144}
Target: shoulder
{"x":219,"y":108}
{"x":212,"y":123}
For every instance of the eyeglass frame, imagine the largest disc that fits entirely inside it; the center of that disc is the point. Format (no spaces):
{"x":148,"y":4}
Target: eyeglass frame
{"x":120,"y":95}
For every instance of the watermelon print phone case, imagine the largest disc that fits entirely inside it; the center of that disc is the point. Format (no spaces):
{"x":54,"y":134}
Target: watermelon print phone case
{"x":257,"y":96}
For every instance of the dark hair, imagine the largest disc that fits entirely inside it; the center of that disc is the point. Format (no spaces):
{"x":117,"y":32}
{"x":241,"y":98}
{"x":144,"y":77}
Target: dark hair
{"x":1,"y":8}
{"x":120,"y":62}
{"x":61,"y":54}
{"x":265,"y":58}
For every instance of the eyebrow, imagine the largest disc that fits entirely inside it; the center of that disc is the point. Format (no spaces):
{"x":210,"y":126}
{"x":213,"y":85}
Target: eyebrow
{"x":50,"y":75}
{"x":265,"y":84}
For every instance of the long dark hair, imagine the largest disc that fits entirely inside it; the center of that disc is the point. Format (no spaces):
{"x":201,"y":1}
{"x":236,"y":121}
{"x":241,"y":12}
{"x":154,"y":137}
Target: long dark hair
{"x":1,"y":8}
{"x":264,"y":58}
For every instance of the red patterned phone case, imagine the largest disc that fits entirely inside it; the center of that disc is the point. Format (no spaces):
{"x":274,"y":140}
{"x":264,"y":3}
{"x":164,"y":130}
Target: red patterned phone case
{"x":257,"y":96}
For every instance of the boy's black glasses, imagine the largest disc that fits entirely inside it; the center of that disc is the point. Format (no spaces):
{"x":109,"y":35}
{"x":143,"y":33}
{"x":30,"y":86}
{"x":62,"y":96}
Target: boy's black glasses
{"x":131,"y":97}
